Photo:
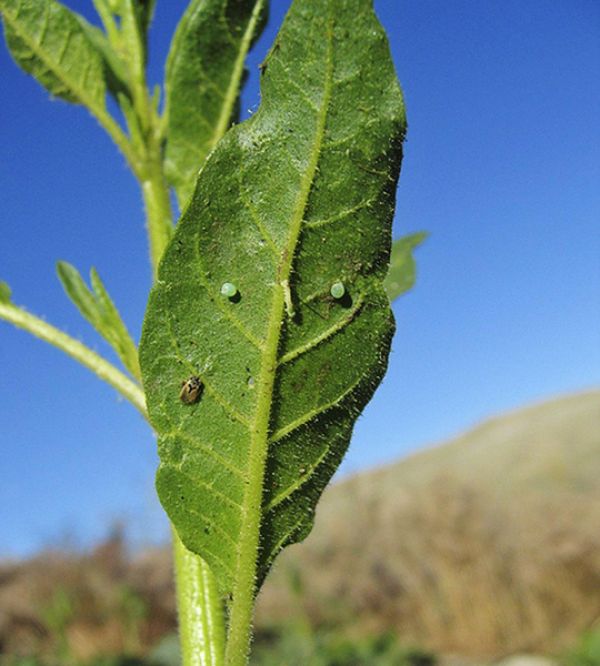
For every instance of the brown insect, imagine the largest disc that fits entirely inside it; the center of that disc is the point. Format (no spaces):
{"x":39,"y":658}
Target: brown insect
{"x":191,"y":390}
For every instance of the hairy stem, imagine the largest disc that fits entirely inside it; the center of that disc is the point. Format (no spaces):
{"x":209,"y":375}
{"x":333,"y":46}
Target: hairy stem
{"x":112,"y":128}
{"x":100,"y":366}
{"x":159,"y":214}
{"x":201,"y":628}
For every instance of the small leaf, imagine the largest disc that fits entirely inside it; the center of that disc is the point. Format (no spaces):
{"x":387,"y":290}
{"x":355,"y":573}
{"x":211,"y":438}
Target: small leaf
{"x":5,"y":292}
{"x":78,"y":292}
{"x":133,"y":39}
{"x":49,"y":42}
{"x":403,"y":269}
{"x":98,"y":308}
{"x":115,"y":327}
{"x":205,"y":70}
{"x":297,"y":198}
{"x":114,"y":70}
{"x":144,"y":10}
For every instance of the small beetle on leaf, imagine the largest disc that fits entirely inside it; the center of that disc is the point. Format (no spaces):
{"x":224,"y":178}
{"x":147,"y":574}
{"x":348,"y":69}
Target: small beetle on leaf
{"x":191,"y":390}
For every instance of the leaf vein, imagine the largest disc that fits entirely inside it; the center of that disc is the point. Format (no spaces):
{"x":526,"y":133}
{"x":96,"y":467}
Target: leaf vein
{"x":294,"y":84}
{"x":192,"y":439}
{"x":332,"y":330}
{"x":255,"y":217}
{"x":284,"y":538}
{"x":220,"y":306}
{"x":17,"y":14}
{"x":365,"y":203}
{"x":65,"y":47}
{"x":221,"y":399}
{"x":44,"y":30}
{"x":213,"y":524}
{"x":312,"y":414}
{"x":209,"y":487}
{"x":291,"y":489}
{"x":225,"y":25}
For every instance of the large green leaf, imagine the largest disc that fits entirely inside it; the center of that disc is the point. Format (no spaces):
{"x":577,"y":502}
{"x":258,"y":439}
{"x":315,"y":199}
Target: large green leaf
{"x":204,"y":74}
{"x":296,"y":199}
{"x":49,"y":42}
{"x":403,"y":268}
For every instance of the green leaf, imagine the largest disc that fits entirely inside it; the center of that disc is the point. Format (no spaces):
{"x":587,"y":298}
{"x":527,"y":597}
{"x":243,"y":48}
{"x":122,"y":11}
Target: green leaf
{"x":133,"y":38}
{"x":205,"y":70}
{"x":297,"y":198}
{"x":5,"y":292}
{"x":115,"y":74}
{"x":98,"y":308}
{"x":49,"y":42}
{"x":77,"y":290}
{"x":144,"y":10}
{"x":403,"y":269}
{"x":116,"y":331}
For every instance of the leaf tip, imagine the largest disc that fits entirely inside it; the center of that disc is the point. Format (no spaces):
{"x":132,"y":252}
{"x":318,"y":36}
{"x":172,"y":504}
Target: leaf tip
{"x":5,"y":292}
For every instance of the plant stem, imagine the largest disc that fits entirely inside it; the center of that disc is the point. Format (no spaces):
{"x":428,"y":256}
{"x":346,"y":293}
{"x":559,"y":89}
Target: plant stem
{"x":159,"y":216}
{"x":201,"y":627}
{"x":100,"y":366}
{"x":112,"y":128}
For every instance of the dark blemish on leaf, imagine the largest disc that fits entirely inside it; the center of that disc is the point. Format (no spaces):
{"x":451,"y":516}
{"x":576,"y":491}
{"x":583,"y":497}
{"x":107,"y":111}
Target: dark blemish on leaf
{"x":191,"y":390}
{"x":345,"y":300}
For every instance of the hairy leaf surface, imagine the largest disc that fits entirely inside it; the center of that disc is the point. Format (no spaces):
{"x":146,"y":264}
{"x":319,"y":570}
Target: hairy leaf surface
{"x":297,"y":198}
{"x":403,"y":268}
{"x":204,"y":74}
{"x":49,"y":42}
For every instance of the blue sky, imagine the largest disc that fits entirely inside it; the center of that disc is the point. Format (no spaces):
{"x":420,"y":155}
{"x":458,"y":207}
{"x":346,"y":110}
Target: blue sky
{"x":502,"y":167}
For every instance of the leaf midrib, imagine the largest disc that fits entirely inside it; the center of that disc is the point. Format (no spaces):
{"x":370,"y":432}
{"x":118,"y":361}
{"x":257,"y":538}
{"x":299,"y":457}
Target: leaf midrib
{"x":244,"y":584}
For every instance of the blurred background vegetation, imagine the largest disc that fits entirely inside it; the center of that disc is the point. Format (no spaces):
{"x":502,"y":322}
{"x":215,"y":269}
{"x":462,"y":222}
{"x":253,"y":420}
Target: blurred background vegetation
{"x":470,"y":553}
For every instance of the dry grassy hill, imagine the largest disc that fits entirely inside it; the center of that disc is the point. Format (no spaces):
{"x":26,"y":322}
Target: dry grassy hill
{"x":486,"y":545}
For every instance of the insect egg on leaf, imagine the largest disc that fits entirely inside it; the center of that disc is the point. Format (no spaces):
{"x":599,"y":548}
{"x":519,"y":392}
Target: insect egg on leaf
{"x":337,"y":290}
{"x":229,"y":290}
